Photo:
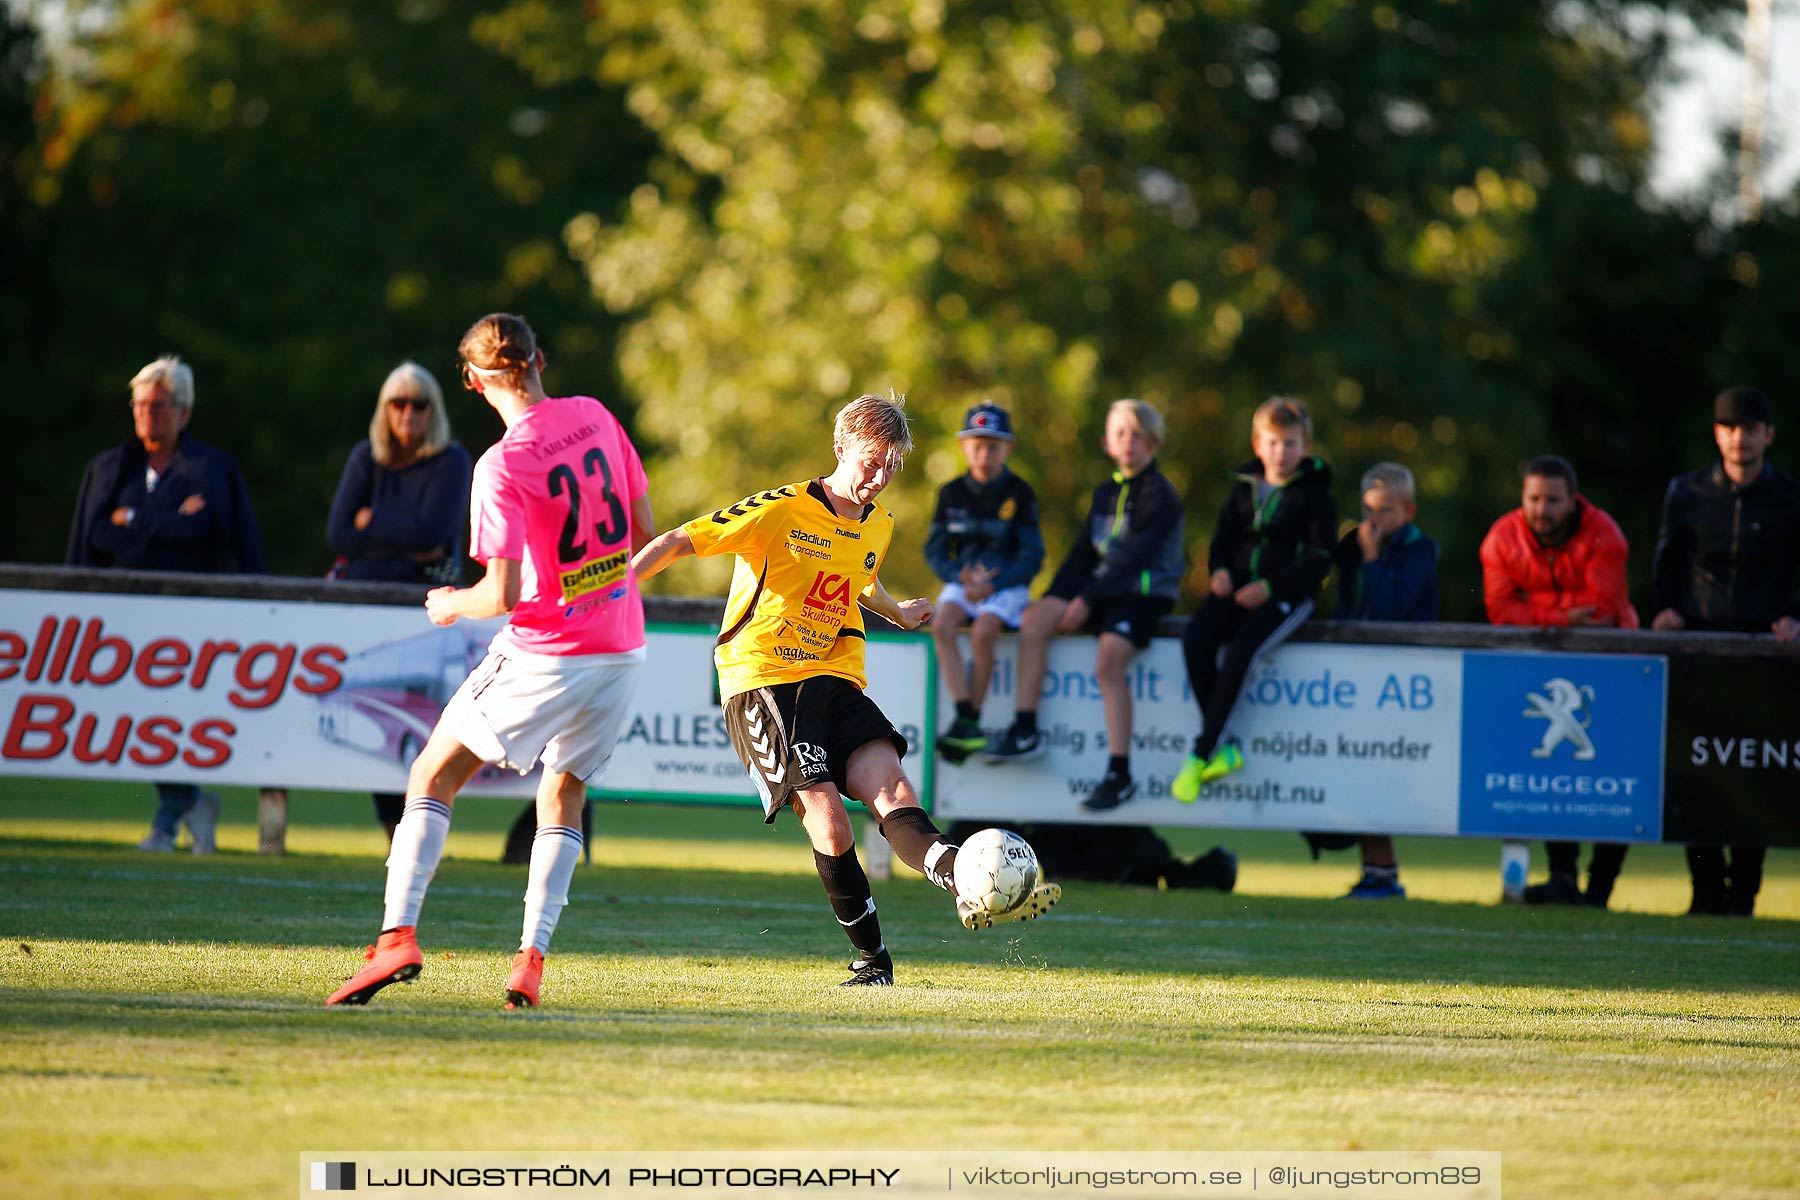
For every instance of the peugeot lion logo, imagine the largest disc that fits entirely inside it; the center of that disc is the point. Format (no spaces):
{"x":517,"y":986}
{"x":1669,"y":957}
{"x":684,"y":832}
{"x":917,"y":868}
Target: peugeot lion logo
{"x":1566,"y":709}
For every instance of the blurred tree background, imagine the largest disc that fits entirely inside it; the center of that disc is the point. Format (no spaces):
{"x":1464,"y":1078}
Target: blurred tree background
{"x":294,"y":198}
{"x":1427,"y":218}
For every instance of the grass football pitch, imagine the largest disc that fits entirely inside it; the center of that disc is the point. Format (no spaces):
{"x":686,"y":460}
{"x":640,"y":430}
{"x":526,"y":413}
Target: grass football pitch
{"x":161,"y":1028}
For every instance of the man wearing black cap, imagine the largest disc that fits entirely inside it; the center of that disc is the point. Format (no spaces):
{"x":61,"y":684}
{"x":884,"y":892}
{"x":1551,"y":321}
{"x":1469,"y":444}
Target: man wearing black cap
{"x":986,"y":547}
{"x":1725,"y":560}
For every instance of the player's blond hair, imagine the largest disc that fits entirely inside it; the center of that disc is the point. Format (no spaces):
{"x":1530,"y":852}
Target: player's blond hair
{"x":1282,"y":412}
{"x":1390,"y":477}
{"x":877,"y":419}
{"x":1143,"y":417}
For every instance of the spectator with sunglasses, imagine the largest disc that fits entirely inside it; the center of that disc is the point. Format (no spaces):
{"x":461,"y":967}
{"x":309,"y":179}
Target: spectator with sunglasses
{"x":398,"y":514}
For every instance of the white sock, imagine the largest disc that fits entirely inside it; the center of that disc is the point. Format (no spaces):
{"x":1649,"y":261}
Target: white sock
{"x":413,"y":859}
{"x":554,"y":852}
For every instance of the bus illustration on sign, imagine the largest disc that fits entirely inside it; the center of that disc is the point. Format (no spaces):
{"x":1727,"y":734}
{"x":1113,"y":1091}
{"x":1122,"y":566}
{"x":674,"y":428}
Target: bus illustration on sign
{"x":393,"y":692}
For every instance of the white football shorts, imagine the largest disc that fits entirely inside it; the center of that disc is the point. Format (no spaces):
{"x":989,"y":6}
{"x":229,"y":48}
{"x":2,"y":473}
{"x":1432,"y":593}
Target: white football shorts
{"x":567,"y":710}
{"x":1008,"y":603}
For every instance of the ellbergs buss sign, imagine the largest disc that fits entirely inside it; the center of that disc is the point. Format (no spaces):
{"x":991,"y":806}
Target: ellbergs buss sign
{"x":1563,"y":746}
{"x":226,"y":691}
{"x":336,"y":696}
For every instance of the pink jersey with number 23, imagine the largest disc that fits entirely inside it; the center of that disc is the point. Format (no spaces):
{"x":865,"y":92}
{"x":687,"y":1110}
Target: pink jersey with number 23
{"x":555,"y":493}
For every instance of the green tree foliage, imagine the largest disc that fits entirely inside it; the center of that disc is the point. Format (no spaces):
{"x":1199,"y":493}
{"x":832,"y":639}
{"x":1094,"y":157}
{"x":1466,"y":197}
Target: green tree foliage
{"x":1200,"y":202}
{"x":295,"y":198}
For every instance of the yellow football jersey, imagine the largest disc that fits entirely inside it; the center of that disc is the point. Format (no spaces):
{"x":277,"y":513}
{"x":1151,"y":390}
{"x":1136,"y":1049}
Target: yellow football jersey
{"x":792,"y":611}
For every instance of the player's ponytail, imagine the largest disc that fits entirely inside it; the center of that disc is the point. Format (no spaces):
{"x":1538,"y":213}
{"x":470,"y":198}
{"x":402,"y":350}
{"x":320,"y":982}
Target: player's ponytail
{"x":501,"y":349}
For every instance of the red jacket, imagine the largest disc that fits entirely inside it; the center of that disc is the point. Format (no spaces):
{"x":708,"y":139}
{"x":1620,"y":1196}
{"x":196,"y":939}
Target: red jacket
{"x":1527,"y":583}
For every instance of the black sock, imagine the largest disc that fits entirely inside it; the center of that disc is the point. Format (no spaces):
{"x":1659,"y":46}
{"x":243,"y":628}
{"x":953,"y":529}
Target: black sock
{"x":1200,"y":746}
{"x":848,"y":890}
{"x":1025,"y":721}
{"x":1120,"y":765}
{"x":965,"y":711}
{"x":917,"y":841}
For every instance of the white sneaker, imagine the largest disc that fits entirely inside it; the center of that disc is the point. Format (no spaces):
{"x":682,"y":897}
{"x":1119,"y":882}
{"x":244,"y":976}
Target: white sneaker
{"x":1042,"y":899}
{"x":157,"y":842}
{"x":202,"y":823}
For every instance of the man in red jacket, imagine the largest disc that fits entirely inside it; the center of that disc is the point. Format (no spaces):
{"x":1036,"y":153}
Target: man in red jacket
{"x":1558,"y":559}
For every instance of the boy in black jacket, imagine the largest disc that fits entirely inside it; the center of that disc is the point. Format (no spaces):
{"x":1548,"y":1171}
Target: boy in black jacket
{"x":1270,"y":552}
{"x":1118,"y":581}
{"x":986,"y":546}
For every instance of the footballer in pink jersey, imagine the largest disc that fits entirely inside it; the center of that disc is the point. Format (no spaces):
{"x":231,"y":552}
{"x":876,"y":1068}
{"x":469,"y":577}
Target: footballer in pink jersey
{"x":578,"y":594}
{"x":559,"y":508}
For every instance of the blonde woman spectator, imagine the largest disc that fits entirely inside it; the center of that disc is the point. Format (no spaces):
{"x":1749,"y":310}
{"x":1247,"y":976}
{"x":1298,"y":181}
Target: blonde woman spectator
{"x":398,"y":514}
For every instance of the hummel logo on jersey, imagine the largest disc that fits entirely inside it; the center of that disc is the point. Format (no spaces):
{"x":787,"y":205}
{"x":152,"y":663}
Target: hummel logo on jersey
{"x":1563,"y":709}
{"x":742,"y":508}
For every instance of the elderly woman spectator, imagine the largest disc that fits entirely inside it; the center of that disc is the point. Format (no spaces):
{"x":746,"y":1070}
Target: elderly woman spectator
{"x":162,"y":501}
{"x":398,"y":514}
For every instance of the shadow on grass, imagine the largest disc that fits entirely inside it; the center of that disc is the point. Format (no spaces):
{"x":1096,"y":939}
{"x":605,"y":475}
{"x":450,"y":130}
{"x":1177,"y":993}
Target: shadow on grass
{"x":106,"y":893}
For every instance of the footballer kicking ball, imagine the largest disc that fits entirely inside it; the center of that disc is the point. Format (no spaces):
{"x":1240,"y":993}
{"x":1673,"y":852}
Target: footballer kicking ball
{"x":996,"y":869}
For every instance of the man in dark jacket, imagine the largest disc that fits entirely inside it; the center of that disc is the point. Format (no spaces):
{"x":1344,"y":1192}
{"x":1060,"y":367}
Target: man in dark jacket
{"x":1726,"y":558}
{"x":1271,"y":549}
{"x":1118,"y":581}
{"x":165,"y":502}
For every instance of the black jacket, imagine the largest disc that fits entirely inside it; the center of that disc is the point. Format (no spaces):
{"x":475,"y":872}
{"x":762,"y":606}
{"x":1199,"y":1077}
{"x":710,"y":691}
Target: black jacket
{"x":1726,"y":555}
{"x":1133,"y":542}
{"x":220,"y":538}
{"x":1287,"y":540}
{"x":995,"y":525}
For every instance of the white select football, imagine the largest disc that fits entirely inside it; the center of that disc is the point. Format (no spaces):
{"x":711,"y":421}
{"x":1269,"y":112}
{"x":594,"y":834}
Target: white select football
{"x":997,"y":869}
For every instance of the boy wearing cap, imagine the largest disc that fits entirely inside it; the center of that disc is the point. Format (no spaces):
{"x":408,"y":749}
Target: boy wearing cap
{"x":986,"y":546}
{"x":1726,"y":558}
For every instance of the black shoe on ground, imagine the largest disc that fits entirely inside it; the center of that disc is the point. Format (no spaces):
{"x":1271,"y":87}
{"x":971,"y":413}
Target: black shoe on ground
{"x":1216,"y":869}
{"x":871,"y":972}
{"x":1112,"y":791}
{"x":1013,"y":746}
{"x":1558,"y":889}
{"x":1709,"y":902}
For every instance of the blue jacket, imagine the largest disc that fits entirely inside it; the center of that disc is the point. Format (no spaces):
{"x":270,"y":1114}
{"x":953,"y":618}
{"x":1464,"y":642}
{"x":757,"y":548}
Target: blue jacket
{"x":420,"y":507}
{"x":1400,"y":585}
{"x":995,"y":525}
{"x":220,"y":538}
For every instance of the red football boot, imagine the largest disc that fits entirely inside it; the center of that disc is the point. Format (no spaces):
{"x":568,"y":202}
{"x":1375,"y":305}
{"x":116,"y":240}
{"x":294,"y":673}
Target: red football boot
{"x":527,"y":976}
{"x":394,"y":958}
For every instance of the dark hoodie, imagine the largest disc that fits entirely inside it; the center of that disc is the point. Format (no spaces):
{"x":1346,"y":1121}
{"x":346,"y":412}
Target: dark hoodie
{"x":1132,"y":545}
{"x":1286,"y":540}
